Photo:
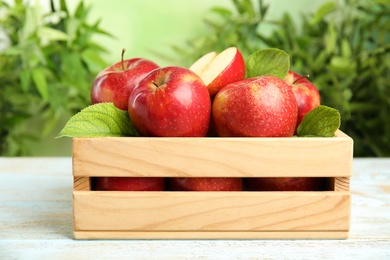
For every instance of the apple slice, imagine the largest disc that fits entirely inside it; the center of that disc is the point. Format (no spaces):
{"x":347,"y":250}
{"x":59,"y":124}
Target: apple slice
{"x":219,"y":70}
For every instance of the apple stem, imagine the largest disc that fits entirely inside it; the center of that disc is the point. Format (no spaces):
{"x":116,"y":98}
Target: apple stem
{"x":154,"y":83}
{"x":303,"y":77}
{"x":122,"y":60}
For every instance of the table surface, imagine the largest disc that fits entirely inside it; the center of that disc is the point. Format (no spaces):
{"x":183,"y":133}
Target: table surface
{"x":36,"y":221}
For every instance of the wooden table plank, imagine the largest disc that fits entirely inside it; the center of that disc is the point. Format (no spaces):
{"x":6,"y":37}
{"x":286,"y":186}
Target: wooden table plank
{"x":36,"y":221}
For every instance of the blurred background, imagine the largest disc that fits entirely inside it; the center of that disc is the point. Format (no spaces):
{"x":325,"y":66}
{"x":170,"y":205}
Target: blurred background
{"x":50,"y":52}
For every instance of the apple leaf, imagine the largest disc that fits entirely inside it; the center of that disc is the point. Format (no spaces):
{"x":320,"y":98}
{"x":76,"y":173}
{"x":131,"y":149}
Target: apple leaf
{"x":99,"y":120}
{"x":270,"y":61}
{"x":322,"y":121}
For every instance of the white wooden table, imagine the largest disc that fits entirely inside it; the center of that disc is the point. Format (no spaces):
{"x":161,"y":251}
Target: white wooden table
{"x":36,"y":221}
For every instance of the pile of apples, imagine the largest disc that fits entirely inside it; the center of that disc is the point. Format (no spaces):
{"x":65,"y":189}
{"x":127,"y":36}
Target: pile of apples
{"x":211,"y":98}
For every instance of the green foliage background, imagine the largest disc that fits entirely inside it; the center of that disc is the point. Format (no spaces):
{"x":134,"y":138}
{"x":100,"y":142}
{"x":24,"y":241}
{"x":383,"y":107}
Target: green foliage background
{"x":344,"y":46}
{"x":46,"y":72}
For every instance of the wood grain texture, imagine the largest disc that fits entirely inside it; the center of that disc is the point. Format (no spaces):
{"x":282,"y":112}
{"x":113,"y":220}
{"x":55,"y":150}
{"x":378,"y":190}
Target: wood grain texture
{"x":211,"y":211}
{"x":81,"y":183}
{"x":342,"y":183}
{"x":213,"y":157}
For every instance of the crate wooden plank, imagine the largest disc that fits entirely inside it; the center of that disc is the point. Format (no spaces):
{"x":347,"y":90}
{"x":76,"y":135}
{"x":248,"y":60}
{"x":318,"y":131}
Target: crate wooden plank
{"x":211,"y":235}
{"x":213,"y":157}
{"x":211,"y":211}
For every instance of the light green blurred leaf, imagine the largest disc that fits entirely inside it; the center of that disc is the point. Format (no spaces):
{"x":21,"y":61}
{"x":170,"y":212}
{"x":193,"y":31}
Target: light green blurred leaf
{"x":323,"y":11}
{"x":225,"y":12}
{"x":13,"y":51}
{"x":320,"y":60}
{"x":51,"y":34}
{"x":345,"y":48}
{"x":30,"y":26}
{"x":342,"y":65}
{"x":39,"y":79}
{"x":72,"y":26}
{"x":94,"y":61}
{"x":63,"y":6}
{"x":25,"y":80}
{"x":330,"y":38}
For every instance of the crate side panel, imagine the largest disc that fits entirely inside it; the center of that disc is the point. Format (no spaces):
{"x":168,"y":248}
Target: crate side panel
{"x":212,"y":157}
{"x":211,"y":211}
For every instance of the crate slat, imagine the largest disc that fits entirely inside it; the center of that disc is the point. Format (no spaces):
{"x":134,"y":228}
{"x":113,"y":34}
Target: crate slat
{"x":213,"y":157}
{"x":211,"y":211}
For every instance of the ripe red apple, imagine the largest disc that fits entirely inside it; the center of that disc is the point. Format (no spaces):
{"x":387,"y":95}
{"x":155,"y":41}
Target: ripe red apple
{"x":305,"y":92}
{"x":205,"y":184}
{"x":264,"y":106}
{"x":129,"y":184}
{"x":219,"y":70}
{"x":285,"y":184}
{"x":116,"y":82}
{"x":170,"y":102}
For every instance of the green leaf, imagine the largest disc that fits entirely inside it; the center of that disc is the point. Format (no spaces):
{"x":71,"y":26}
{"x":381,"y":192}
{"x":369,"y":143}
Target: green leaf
{"x":25,"y":79}
{"x":99,"y":120}
{"x":323,"y":121}
{"x":63,"y":6}
{"x":342,"y":65}
{"x":40,"y":82}
{"x":270,"y":61}
{"x":72,"y":27}
{"x":94,"y":61}
{"x":263,"y":8}
{"x":224,"y":12}
{"x":345,"y":48}
{"x":323,"y":11}
{"x":12,"y":51}
{"x":51,"y":34}
{"x":81,"y":11}
{"x":330,"y":39}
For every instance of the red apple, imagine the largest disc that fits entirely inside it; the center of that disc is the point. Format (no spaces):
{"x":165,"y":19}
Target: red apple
{"x":170,"y":102}
{"x":129,"y":184}
{"x":305,"y":92}
{"x":219,"y":70}
{"x":205,"y":184}
{"x":264,"y":106}
{"x":285,"y":184}
{"x":116,"y":82}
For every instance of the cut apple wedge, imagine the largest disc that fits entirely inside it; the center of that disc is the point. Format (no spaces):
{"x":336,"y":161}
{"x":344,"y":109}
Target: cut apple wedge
{"x":202,"y":63}
{"x":219,"y":70}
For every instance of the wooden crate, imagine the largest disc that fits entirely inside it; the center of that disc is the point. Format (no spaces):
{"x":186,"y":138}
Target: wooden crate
{"x":212,"y":215}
